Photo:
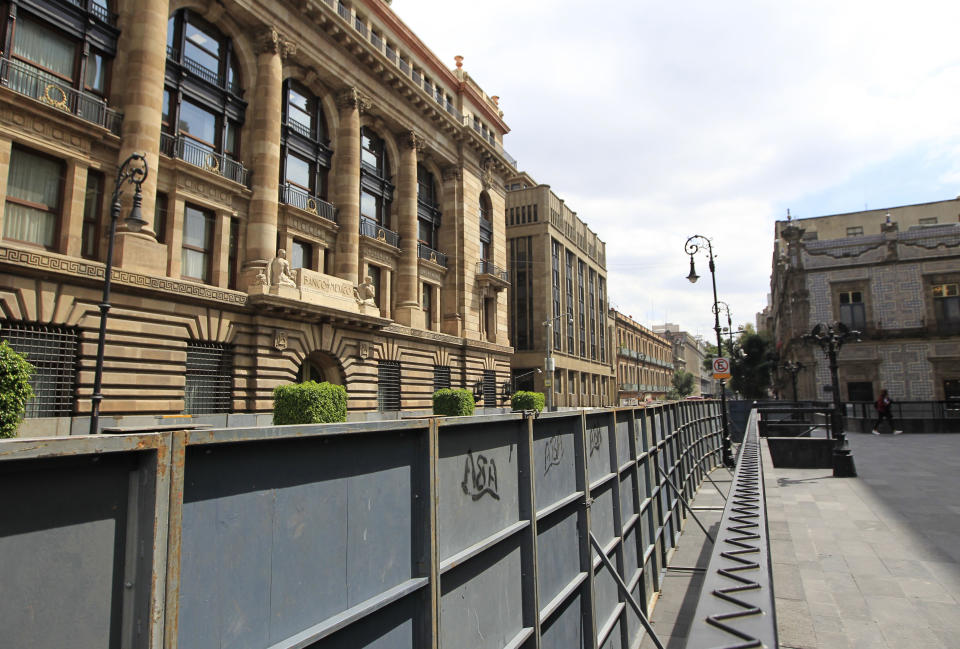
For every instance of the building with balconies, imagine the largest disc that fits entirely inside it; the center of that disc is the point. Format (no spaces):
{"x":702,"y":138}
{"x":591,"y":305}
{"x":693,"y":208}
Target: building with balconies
{"x":891,"y":274}
{"x":324,"y":200}
{"x":558,"y":296}
{"x":644,"y":361}
{"x":689,"y":352}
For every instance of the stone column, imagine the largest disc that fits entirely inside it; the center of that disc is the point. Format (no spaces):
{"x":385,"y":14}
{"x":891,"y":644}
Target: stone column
{"x":408,"y":311}
{"x":453,"y":301}
{"x":267,"y":107}
{"x":143,"y":47}
{"x":6,"y":147}
{"x":220,"y":271}
{"x":74,"y":202}
{"x":346,"y":183}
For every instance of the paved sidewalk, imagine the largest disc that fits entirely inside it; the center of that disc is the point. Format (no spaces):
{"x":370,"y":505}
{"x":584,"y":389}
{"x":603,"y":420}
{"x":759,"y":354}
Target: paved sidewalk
{"x":872,"y":561}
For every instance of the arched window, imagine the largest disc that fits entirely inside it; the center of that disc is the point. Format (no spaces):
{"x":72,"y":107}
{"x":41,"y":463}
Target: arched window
{"x":376,"y":191}
{"x":203,"y":108}
{"x":306,"y":152}
{"x":486,"y":228}
{"x":428,"y":211}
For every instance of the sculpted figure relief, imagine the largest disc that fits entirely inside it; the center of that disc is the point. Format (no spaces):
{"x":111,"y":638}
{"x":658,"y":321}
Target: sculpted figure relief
{"x":364,"y":293}
{"x":280,"y":270}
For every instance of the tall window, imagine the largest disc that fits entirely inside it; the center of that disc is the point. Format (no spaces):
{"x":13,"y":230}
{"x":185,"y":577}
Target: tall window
{"x":198,"y":225}
{"x":201,"y":100}
{"x":92,"y":204}
{"x":376,"y":277}
{"x":427,"y":306}
{"x":208,"y":388}
{"x":555,"y":290}
{"x":376,"y":191}
{"x":581,"y":305}
{"x":34,"y":188}
{"x":521,"y":299}
{"x":388,"y":386}
{"x":53,"y":353}
{"x":428,"y":211}
{"x":301,"y":255}
{"x":160,"y":217}
{"x":306,"y":153}
{"x":602,"y":308}
{"x":946,"y":307}
{"x":486,"y":227}
{"x":593,"y":315}
{"x":571,"y":348}
{"x":852,"y":309}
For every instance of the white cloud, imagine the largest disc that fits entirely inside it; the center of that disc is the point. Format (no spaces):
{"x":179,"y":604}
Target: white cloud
{"x":655,"y":121}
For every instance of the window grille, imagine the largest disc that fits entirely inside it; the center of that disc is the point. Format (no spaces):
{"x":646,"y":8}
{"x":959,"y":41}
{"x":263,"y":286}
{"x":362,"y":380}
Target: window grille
{"x":209,"y":385}
{"x":388,"y":386}
{"x":489,"y":388}
{"x":441,"y":377}
{"x":53,"y":353}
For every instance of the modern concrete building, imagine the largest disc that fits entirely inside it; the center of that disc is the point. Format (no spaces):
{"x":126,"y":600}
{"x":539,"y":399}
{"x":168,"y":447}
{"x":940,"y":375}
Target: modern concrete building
{"x":325,"y":199}
{"x":688,"y":354}
{"x":891,"y":274}
{"x":558,"y":294}
{"x":644,"y":361}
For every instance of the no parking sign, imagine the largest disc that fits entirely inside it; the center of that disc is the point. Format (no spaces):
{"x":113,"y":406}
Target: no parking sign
{"x":721,"y":368}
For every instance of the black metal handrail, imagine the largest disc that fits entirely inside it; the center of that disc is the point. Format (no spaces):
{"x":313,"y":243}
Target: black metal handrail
{"x":31,"y":82}
{"x":487,"y":267}
{"x":178,"y":146}
{"x":372,"y":229}
{"x":426,"y":252}
{"x":344,"y":11}
{"x":293,"y":195}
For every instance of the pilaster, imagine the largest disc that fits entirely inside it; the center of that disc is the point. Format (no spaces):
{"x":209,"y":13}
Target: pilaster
{"x":5,"y":148}
{"x":408,"y":310}
{"x":346,"y":183}
{"x":71,"y":224}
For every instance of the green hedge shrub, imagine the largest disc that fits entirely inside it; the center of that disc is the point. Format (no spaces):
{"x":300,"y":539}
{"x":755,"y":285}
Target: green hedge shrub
{"x":453,"y":403}
{"x":524,"y":400}
{"x":15,"y":390}
{"x":309,"y":403}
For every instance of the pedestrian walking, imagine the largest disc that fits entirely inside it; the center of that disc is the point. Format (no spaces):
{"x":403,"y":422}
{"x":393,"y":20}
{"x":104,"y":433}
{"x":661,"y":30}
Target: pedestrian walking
{"x":883,"y":405}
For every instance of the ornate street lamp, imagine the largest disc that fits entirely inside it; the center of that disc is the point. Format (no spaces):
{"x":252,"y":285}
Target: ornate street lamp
{"x":831,"y":337}
{"x":723,"y":306}
{"x":792,"y":368}
{"x":549,"y":363}
{"x":694,"y":245}
{"x":133,"y":170}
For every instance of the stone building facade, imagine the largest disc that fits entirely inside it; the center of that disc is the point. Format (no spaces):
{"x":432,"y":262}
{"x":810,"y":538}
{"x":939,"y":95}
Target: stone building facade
{"x":324,"y":199}
{"x":689,"y":352}
{"x":558,"y":276}
{"x":891,"y":274}
{"x":644,"y":361}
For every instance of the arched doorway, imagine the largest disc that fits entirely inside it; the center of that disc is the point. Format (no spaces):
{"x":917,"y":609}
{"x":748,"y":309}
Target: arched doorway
{"x":320,"y":366}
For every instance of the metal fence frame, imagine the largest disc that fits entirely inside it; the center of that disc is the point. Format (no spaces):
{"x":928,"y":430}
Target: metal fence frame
{"x":456,"y":532}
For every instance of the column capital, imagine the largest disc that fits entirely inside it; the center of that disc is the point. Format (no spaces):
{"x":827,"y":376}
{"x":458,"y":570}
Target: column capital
{"x":352,"y":98}
{"x":412,"y":140}
{"x":269,"y":41}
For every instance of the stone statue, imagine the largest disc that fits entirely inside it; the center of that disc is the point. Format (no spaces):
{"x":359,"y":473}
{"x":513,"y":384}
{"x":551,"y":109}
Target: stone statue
{"x":280,"y":270}
{"x":260,"y":279}
{"x":365,"y":293}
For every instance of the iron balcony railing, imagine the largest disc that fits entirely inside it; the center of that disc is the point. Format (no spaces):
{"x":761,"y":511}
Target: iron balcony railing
{"x":178,"y":146}
{"x":98,"y":11}
{"x":360,"y":26}
{"x":372,"y":229}
{"x":487,"y":267}
{"x":426,"y":252}
{"x":29,"y":81}
{"x":488,"y":136}
{"x":344,"y":11}
{"x":293,"y":195}
{"x":198,"y":70}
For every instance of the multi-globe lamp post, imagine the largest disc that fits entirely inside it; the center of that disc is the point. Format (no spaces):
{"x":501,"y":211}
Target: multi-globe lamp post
{"x":133,"y":170}
{"x":792,"y":368}
{"x":694,"y":245}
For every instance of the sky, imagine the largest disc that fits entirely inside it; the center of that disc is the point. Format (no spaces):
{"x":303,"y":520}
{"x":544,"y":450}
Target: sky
{"x":656,"y":121}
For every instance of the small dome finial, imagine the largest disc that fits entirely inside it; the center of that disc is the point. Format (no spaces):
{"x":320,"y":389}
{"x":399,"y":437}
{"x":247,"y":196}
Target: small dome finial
{"x":459,"y":60}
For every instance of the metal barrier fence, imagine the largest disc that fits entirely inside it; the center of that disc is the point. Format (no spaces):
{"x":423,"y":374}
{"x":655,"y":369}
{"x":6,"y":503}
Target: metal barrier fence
{"x":736,"y":606}
{"x":442,"y":532}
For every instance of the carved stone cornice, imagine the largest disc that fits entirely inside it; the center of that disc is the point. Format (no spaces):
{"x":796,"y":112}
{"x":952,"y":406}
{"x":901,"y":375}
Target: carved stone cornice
{"x":352,"y":98}
{"x":269,"y":41}
{"x":452,"y":172}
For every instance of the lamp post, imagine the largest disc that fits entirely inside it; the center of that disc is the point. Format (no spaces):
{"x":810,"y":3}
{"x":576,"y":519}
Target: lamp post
{"x":723,"y":306}
{"x":793,"y":368}
{"x":548,"y":362}
{"x":694,"y":245}
{"x":831,"y":337}
{"x":133,"y":170}
{"x":510,"y":387}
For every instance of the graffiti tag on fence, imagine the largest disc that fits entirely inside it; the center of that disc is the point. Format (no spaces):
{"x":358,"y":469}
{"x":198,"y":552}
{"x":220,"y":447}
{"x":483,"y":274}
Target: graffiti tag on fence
{"x":553,"y":453}
{"x":596,"y":438}
{"x":480,"y":477}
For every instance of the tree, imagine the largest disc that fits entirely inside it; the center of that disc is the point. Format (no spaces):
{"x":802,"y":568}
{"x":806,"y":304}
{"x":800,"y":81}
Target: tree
{"x":682,"y":385}
{"x":15,"y":390}
{"x":752,"y":363}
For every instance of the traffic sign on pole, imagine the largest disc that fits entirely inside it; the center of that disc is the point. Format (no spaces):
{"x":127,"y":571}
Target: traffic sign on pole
{"x":721,"y":368}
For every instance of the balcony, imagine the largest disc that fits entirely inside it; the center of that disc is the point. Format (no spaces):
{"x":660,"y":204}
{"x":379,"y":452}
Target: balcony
{"x":426,"y":252}
{"x":489,"y":275}
{"x":97,"y":11}
{"x":293,"y":195}
{"x":488,"y":136}
{"x":31,"y":82}
{"x":202,"y":72}
{"x":370,"y":228}
{"x":178,"y":146}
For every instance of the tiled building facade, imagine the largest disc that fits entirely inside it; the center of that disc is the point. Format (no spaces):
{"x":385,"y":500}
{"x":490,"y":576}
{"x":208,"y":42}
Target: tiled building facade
{"x":557,"y":275}
{"x":891,"y":274}
{"x":644,"y":361}
{"x":325,"y":199}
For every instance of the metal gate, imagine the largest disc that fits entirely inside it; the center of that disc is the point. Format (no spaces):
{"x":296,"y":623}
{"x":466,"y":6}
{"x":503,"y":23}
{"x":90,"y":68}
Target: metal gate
{"x":451,"y":532}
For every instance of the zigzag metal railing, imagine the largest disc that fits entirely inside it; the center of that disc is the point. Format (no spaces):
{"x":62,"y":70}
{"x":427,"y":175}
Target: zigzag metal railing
{"x":736,"y":607}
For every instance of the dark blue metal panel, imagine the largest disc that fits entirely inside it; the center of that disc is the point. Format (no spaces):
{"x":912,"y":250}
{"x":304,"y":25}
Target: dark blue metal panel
{"x":393,"y":627}
{"x":606,"y":593}
{"x":602,"y":514}
{"x":565,"y":630}
{"x":628,"y":506}
{"x":600,"y":435}
{"x":624,"y":435}
{"x":554,"y":459}
{"x":558,"y":553}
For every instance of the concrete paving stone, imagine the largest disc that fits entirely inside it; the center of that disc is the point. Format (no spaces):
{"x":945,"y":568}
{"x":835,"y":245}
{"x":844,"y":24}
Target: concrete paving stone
{"x":912,"y":637}
{"x":787,"y":581}
{"x":824,"y":612}
{"x":825,"y":623}
{"x":866,"y":565}
{"x":795,"y":624}
{"x":833,"y":563}
{"x":842,"y":582}
{"x":782,"y":551}
{"x":926,"y":590}
{"x":872,"y":586}
{"x":779,"y":530}
{"x":865,"y":635}
{"x":891,"y":609}
{"x":832,"y":639}
{"x":906,"y":568}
